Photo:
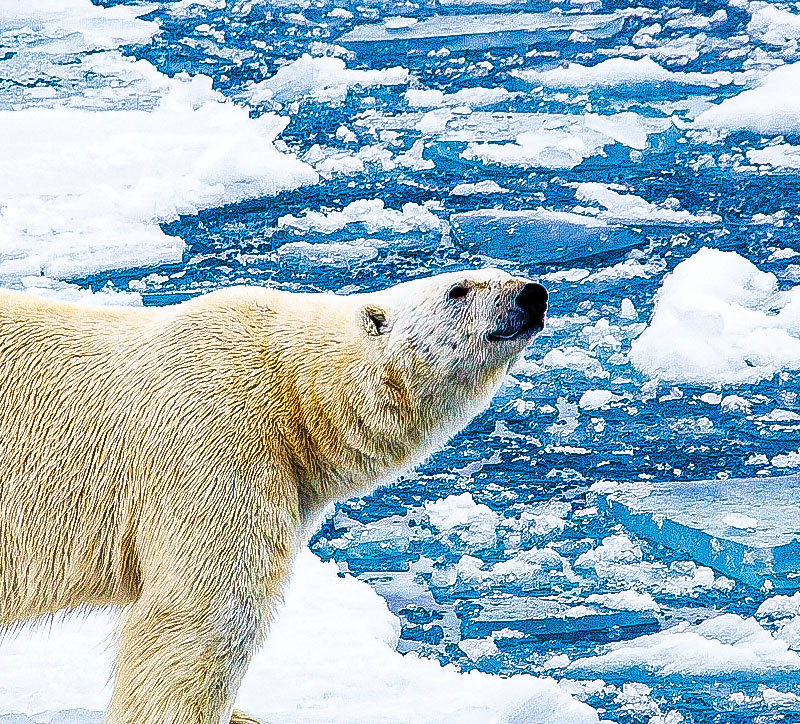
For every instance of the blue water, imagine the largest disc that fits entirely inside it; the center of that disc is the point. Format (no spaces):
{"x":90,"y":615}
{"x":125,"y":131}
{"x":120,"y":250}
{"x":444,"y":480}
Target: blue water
{"x":556,"y":452}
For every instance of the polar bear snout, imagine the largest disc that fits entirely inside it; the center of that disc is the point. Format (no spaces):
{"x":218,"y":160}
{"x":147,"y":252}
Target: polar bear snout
{"x":525,"y":315}
{"x":533,"y":301}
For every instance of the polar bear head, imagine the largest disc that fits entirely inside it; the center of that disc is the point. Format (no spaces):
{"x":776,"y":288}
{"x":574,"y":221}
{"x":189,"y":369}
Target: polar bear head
{"x":456,"y":325}
{"x":448,"y":340}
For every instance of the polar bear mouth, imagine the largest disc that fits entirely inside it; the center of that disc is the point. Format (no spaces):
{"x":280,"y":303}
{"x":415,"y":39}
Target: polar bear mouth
{"x":527,"y":329}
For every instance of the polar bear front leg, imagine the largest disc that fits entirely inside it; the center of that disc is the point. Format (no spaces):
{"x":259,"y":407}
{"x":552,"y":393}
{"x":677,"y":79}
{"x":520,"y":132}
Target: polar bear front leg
{"x":182,"y":664}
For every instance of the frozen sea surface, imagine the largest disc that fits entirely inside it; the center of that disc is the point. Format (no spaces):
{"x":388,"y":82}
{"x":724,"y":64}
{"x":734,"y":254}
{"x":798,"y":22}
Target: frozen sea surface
{"x":640,"y":158}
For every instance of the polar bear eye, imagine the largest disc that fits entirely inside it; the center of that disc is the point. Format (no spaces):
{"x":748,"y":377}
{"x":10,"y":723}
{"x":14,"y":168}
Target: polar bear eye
{"x":459,"y":291}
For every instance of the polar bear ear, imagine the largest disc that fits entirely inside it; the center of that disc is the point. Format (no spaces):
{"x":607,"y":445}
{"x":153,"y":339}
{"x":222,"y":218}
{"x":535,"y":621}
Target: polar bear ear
{"x":373,"y":319}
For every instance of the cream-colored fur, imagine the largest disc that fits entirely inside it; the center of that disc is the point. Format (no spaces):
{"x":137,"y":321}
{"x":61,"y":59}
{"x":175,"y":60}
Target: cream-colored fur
{"x":171,"y":460}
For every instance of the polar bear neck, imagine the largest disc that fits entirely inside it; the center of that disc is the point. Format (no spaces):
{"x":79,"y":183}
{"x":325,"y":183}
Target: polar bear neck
{"x":351,"y":418}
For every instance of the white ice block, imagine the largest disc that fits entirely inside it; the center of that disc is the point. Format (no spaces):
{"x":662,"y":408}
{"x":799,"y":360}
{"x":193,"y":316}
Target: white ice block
{"x":705,"y":519}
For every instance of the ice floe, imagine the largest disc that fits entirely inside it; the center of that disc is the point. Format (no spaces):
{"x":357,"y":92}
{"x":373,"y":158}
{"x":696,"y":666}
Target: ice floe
{"x":325,"y":79}
{"x":330,"y":659}
{"x":781,"y":155}
{"x":538,"y":235}
{"x":773,"y":25}
{"x":481,"y":187}
{"x":563,"y":142}
{"x":482,"y":31}
{"x":723,"y":646}
{"x":718,"y":318}
{"x":476,"y":97}
{"x":772,"y":107}
{"x":743,"y":528}
{"x":621,"y":71}
{"x":372,"y":214}
{"x":631,"y":209}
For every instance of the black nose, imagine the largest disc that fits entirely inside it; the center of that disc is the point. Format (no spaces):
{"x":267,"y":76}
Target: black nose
{"x":533,"y":299}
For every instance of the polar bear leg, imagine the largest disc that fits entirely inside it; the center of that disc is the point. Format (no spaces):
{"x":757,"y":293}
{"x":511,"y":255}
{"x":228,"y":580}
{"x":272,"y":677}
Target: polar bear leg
{"x":182,"y":664}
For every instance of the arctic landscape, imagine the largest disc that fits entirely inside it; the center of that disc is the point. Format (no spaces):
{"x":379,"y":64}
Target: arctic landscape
{"x":617,"y":539}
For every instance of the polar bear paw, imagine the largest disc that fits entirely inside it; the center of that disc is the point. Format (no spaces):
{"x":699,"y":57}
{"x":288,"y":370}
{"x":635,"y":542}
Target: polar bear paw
{"x":238,"y":717}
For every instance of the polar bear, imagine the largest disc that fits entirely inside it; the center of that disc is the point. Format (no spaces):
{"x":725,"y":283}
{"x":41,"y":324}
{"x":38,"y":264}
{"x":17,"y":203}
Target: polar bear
{"x":172,"y":460}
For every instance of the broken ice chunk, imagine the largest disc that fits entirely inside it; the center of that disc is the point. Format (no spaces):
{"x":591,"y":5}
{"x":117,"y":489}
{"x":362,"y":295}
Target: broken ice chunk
{"x":740,"y":521}
{"x":547,"y":617}
{"x":748,"y":529}
{"x":538,"y":235}
{"x":462,"y":523}
{"x":724,"y":646}
{"x":462,"y":32}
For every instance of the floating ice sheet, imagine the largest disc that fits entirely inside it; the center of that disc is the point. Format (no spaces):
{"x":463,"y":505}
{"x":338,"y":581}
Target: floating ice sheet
{"x":631,"y":209}
{"x":473,"y":32}
{"x":547,"y":617}
{"x":620,"y":72}
{"x":726,"y":645}
{"x":592,"y":130}
{"x":538,"y":235}
{"x":325,"y":79}
{"x":748,"y":529}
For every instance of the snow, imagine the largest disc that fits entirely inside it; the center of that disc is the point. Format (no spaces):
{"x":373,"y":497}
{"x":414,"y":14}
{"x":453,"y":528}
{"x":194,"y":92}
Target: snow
{"x":772,"y":107}
{"x":717,"y":319}
{"x":330,"y":658}
{"x":740,"y":520}
{"x":324,"y":79}
{"x":78,"y":24}
{"x":85,"y":191}
{"x":575,"y":358}
{"x":773,"y":25}
{"x":530,"y":570}
{"x":618,"y":548}
{"x":723,"y":646}
{"x":464,"y":522}
{"x":595,"y":399}
{"x":625,"y":601}
{"x":779,"y":607}
{"x":620,"y":71}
